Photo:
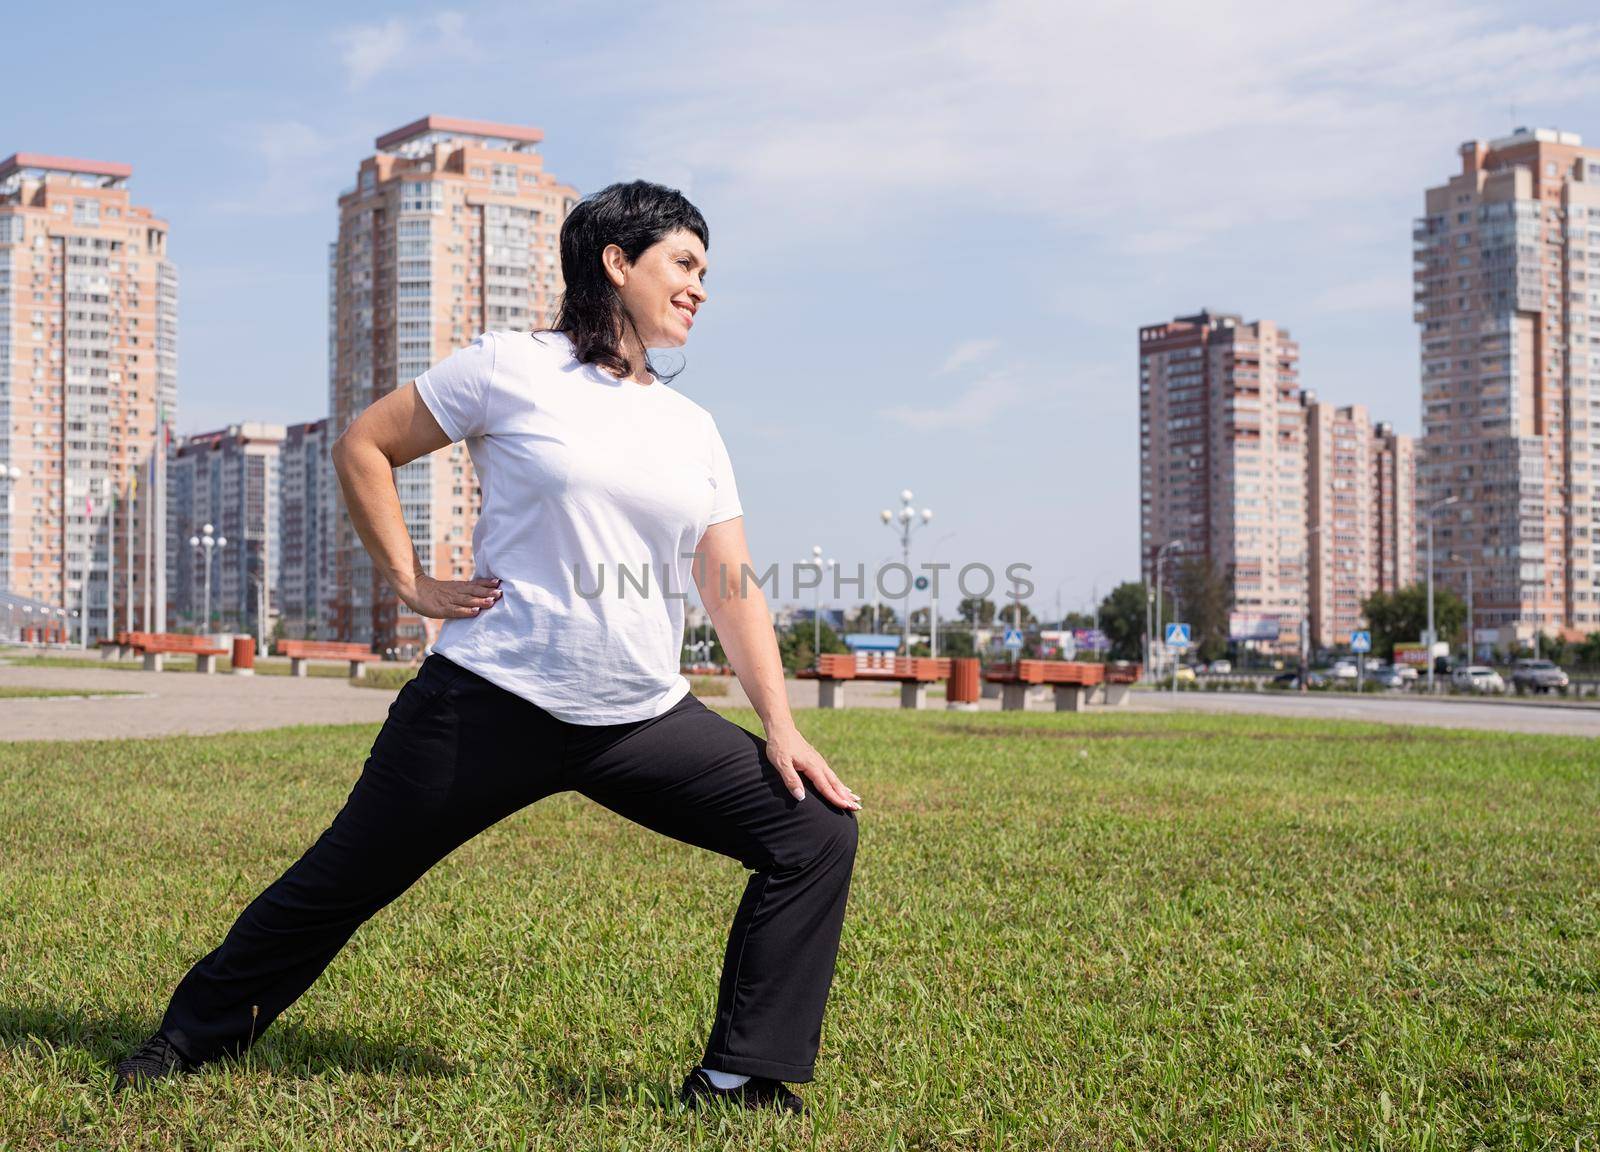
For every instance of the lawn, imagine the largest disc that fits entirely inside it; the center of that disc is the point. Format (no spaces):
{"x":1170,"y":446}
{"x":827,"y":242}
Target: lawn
{"x":1065,"y":932}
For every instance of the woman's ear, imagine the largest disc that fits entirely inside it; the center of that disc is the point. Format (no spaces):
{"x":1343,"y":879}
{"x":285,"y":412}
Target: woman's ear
{"x":615,"y":261}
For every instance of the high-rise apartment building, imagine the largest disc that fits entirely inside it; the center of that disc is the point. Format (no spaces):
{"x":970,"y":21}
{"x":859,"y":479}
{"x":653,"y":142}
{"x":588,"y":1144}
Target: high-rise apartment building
{"x":1394,"y":522}
{"x":1222,"y":461}
{"x":1360,"y":515}
{"x":88,"y":368}
{"x":1506,"y":258}
{"x":229,"y":480}
{"x":451,"y":229}
{"x":306,"y":508}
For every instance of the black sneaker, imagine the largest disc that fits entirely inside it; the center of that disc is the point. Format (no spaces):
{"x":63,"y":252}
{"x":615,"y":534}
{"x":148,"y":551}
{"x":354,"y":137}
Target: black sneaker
{"x":756,"y":1093}
{"x":155,"y":1059}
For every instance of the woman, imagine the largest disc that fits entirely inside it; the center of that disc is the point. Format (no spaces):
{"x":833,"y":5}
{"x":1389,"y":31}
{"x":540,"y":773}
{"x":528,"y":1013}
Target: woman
{"x":589,"y":464}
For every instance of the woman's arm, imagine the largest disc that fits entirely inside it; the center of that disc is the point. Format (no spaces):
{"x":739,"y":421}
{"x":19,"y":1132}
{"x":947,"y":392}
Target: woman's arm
{"x":744,"y":628}
{"x":395,"y":431}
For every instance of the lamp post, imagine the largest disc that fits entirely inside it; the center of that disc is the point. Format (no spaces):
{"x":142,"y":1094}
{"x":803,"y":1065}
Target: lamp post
{"x":908,"y":521}
{"x":933,"y":599}
{"x":816,"y":610}
{"x":207,"y":542}
{"x":1161,"y":555}
{"x":1472,"y":654}
{"x":1305,"y":606}
{"x":1428,"y":641}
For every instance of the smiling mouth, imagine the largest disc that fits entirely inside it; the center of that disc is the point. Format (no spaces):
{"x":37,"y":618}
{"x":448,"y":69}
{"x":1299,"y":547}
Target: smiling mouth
{"x":686,"y":313}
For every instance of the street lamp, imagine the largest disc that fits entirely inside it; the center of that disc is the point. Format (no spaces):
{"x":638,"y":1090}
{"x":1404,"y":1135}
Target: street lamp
{"x":816,"y":610}
{"x":1432,"y":508}
{"x":207,"y":543}
{"x":1305,"y":606}
{"x":908,"y":521}
{"x":1472,"y":654}
{"x":933,"y":599}
{"x":1161,"y":555}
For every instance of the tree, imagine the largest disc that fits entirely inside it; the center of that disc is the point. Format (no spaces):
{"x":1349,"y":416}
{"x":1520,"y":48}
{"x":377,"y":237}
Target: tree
{"x":1588,"y":650}
{"x":1122,"y":619}
{"x":1207,"y":597}
{"x":984,"y":609}
{"x":794,"y":646}
{"x":1402,"y":617}
{"x":1077,"y":620}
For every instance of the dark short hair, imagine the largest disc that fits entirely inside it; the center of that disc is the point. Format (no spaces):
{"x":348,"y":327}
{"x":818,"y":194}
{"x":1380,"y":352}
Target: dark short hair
{"x":633,"y":216}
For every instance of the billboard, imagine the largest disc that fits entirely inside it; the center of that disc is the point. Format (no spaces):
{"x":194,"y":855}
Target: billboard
{"x":1249,"y":626}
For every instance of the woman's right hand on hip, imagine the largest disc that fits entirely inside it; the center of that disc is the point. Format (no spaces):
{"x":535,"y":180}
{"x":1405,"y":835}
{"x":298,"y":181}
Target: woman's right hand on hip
{"x":451,"y":599}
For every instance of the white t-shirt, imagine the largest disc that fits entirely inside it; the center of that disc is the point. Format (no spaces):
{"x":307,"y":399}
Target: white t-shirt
{"x":579,"y":470}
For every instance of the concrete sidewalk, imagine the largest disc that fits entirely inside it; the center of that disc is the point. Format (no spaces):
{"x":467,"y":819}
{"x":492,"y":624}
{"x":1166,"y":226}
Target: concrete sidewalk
{"x":173,"y":703}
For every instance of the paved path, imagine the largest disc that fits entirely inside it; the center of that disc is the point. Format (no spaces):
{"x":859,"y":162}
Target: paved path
{"x":170,"y":703}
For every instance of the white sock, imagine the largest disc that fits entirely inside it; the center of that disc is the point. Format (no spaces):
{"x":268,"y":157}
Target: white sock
{"x":724,"y":1080}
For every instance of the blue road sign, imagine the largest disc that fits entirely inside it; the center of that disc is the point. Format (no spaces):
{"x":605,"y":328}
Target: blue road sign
{"x":1177,"y":635}
{"x":1013,"y":638}
{"x":1361,"y":641}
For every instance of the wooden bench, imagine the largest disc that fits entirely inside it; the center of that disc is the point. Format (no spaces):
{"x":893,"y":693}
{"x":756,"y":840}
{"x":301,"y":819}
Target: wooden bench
{"x":1073,"y":682}
{"x":912,"y":673}
{"x":1118,"y":683}
{"x":114,"y":649}
{"x":301,"y":652}
{"x":153,"y":646}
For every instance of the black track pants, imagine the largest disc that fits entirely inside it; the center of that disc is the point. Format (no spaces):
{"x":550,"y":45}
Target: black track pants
{"x":458,"y":754}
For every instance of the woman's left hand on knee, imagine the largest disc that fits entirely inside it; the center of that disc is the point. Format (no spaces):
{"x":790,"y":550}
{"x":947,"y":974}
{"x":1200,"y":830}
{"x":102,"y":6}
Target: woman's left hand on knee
{"x":793,"y":756}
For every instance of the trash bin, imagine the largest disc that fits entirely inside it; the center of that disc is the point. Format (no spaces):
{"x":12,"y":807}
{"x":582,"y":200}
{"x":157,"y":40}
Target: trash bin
{"x":244,"y":656}
{"x":964,"y":689}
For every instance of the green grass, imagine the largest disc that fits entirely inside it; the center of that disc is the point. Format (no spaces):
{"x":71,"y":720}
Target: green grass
{"x":1065,"y":932}
{"x":20,"y":693}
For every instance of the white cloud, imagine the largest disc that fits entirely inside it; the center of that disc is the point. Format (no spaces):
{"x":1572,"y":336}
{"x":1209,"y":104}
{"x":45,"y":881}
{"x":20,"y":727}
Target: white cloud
{"x":1161,"y":127}
{"x":976,"y":405}
{"x":1389,"y":292}
{"x":293,"y":168}
{"x":967,"y":352}
{"x":369,"y":50}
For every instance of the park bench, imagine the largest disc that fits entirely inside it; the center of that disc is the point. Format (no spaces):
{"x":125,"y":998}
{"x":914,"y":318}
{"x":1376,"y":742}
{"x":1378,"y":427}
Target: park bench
{"x":1117,"y":684}
{"x":301,"y":652}
{"x":115,"y":648}
{"x":912,"y":673}
{"x":1073,"y":682}
{"x":153,"y":646}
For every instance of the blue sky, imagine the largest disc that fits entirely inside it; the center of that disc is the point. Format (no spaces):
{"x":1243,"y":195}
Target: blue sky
{"x":935,"y":227}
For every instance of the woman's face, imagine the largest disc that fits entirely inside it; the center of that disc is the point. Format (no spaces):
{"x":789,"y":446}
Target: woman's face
{"x":663,"y":289}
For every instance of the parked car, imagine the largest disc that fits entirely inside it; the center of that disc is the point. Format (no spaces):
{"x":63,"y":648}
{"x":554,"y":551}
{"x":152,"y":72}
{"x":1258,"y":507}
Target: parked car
{"x":1344,"y":670}
{"x":1222,"y":666}
{"x":1388,"y":676}
{"x":1538,"y":676}
{"x":1477,"y":678}
{"x":1185,"y":674}
{"x":1410,"y":674}
{"x":1291,"y":680}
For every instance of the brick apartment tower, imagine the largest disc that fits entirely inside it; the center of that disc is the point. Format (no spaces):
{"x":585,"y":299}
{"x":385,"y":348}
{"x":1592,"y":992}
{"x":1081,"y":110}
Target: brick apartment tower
{"x":1509,"y":308}
{"x":1222,"y":460}
{"x":1394,"y":493}
{"x":88,"y":367}
{"x":1360,"y":515}
{"x":451,"y":229}
{"x":306,"y":509}
{"x":230,"y":479}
